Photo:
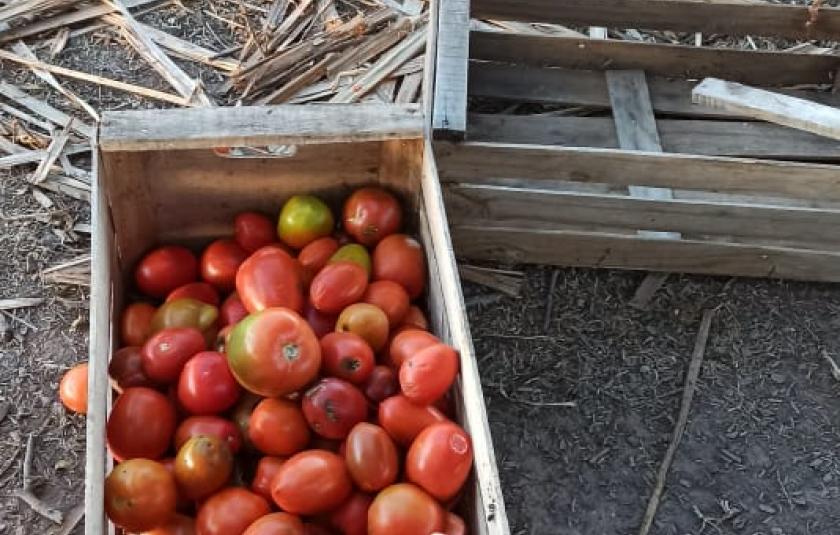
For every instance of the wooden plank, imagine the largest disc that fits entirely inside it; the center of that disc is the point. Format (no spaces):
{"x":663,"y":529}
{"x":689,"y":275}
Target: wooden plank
{"x":43,"y":109}
{"x":769,"y":106}
{"x":750,"y":67}
{"x":731,"y":17}
{"x":705,"y":137}
{"x":257,"y":125}
{"x":449,"y":99}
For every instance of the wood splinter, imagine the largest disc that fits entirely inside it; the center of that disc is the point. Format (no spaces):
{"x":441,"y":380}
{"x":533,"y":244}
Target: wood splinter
{"x":25,"y":494}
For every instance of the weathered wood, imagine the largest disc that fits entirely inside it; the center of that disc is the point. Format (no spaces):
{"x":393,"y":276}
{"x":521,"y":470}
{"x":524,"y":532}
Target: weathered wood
{"x":449,"y":98}
{"x":55,"y":149}
{"x":13,"y":10}
{"x":43,"y":109}
{"x":189,"y":51}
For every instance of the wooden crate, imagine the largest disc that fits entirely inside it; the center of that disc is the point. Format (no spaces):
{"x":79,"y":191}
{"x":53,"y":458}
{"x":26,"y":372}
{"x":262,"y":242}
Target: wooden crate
{"x":649,"y":180}
{"x":158,"y":181}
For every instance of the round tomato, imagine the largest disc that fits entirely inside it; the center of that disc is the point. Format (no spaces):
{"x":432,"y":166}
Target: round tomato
{"x":213,"y":426}
{"x":141,"y":424}
{"x":165,"y":353}
{"x":274,"y":352}
{"x":337,"y":286}
{"x":371,"y":457}
{"x":230,"y":512}
{"x":140,"y":495}
{"x":315,"y":256}
{"x":347,"y":356}
{"x":352,"y":517}
{"x":185,"y":312}
{"x":311,"y":482}
{"x":206,"y":385}
{"x":390,"y":297}
{"x":440,"y":459}
{"x":322,"y":324}
{"x":399,"y":258}
{"x":277,"y":427}
{"x":304,"y":219}
{"x":270,"y":278}
{"x":219,"y":263}
{"x":427,"y":375}
{"x":253,"y":231}
{"x":177,"y":525}
{"x":203,"y":465}
{"x":136,"y":324}
{"x":73,"y":389}
{"x":405,"y":509}
{"x":164,"y":269}
{"x":367,"y":321}
{"x":126,"y":368}
{"x":276,"y":524}
{"x":415,"y":318}
{"x":267,"y":468}
{"x":381,"y":384}
{"x":455,"y":525}
{"x":403,"y":420}
{"x":232,"y":311}
{"x":408,"y":342}
{"x":200,"y":291}
{"x":370,"y":214}
{"x":353,"y":252}
{"x":332,"y":407}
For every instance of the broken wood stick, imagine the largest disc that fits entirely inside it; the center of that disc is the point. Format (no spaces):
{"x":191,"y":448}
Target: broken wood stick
{"x":53,"y":152}
{"x":43,"y":109}
{"x":506,"y":282}
{"x":20,"y":302}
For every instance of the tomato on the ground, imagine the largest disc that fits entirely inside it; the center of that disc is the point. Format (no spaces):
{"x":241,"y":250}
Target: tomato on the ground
{"x":351,"y":517}
{"x":440,"y":459}
{"x":230,"y":511}
{"x":371,"y":457}
{"x":206,"y":385}
{"x":311,"y":482}
{"x":367,"y":321}
{"x":140,"y":495}
{"x":136,"y":323}
{"x":347,"y":356}
{"x":277,"y":427}
{"x":405,"y":509}
{"x":200,"y":291}
{"x":276,"y":524}
{"x":267,"y":469}
{"x":303,"y":219}
{"x":270,"y":278}
{"x":73,"y":389}
{"x":203,"y":465}
{"x":141,"y":424}
{"x":407,"y":343}
{"x":253,"y":231}
{"x":219,"y":263}
{"x":215,"y":426}
{"x":165,"y":268}
{"x":403,"y":420}
{"x":390,"y":297}
{"x":427,"y":375}
{"x":333,"y":406}
{"x":370,"y":214}
{"x":355,"y":253}
{"x":400,"y":258}
{"x":165,"y":353}
{"x":381,"y":384}
{"x":337,"y":286}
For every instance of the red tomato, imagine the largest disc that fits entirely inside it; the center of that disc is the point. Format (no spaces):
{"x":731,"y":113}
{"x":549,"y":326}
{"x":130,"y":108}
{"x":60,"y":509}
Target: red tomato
{"x":274,"y":352}
{"x":315,"y":256}
{"x":321,"y":323}
{"x":136,"y":324}
{"x":203,"y":465}
{"x":346,"y":356}
{"x":241,"y":415}
{"x":276,"y":524}
{"x":455,"y":525}
{"x":390,"y":297}
{"x":206,"y":385}
{"x":164,"y":269}
{"x":230,"y":512}
{"x":427,"y":375}
{"x":73,"y":389}
{"x":415,"y":318}
{"x":277,"y":427}
{"x":267,"y":468}
{"x":399,"y":258}
{"x":381,"y":384}
{"x":311,"y":482}
{"x":352,"y":517}
{"x":337,"y":286}
{"x":405,"y":509}
{"x":213,"y":426}
{"x":407,"y":343}
{"x":371,"y":457}
{"x":141,"y":424}
{"x":126,"y":368}
{"x":232,"y":311}
{"x":403,"y":420}
{"x":140,"y":495}
{"x":270,"y":278}
{"x":440,"y":459}
{"x":367,"y":321}
{"x":200,"y":291}
{"x":370,"y":214}
{"x":332,"y":407}
{"x":253,"y":231}
{"x":165,"y":353}
{"x":177,"y":525}
{"x":219,"y":263}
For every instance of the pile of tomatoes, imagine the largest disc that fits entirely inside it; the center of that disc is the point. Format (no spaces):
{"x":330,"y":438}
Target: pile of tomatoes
{"x":283,"y":382}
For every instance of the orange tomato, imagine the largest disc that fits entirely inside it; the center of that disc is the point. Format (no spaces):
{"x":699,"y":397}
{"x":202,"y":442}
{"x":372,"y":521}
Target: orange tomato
{"x":455,"y":525}
{"x":440,"y":459}
{"x":337,"y":286}
{"x":73,"y":389}
{"x":371,"y":457}
{"x":400,"y":258}
{"x":408,"y":342}
{"x":415,"y":318}
{"x":405,"y":509}
{"x":390,"y":297}
{"x":140,"y":495}
{"x":136,"y":324}
{"x":270,"y":278}
{"x":315,"y":256}
{"x":203,"y":465}
{"x":311,"y":482}
{"x":403,"y":420}
{"x":230,"y":512}
{"x":277,"y":427}
{"x":177,"y":525}
{"x":367,"y":321}
{"x":276,"y":524}
{"x":427,"y":375}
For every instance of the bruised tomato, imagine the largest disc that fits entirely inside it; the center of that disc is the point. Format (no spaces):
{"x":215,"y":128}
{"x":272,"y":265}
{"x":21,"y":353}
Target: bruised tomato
{"x":232,"y":311}
{"x":347,"y":356}
{"x":415,"y":318}
{"x":140,"y":495}
{"x":73,"y":389}
{"x":276,"y":524}
{"x":206,"y":385}
{"x":185,"y":312}
{"x":165,"y":353}
{"x":371,"y":457}
{"x":399,"y":258}
{"x":253,"y":231}
{"x":367,"y":321}
{"x":351,"y":518}
{"x":277,"y":427}
{"x":219,"y":263}
{"x":177,"y":525}
{"x":136,"y":324}
{"x":303,"y":219}
{"x":315,"y":256}
{"x":405,"y":509}
{"x":164,"y":269}
{"x":126,"y":368}
{"x":440,"y":459}
{"x":200,"y":291}
{"x":311,"y":482}
{"x":141,"y":424}
{"x":337,"y":286}
{"x":355,"y":253}
{"x":321,"y":323}
{"x":230,"y":512}
{"x":267,"y":468}
{"x":427,"y":375}
{"x":203,"y":465}
{"x":381,"y":384}
{"x":403,"y":420}
{"x":270,"y":278}
{"x":333,"y":406}
{"x":274,"y":352}
{"x":214,"y":426}
{"x":371,"y":214}
{"x":407,"y":343}
{"x":390,"y":297}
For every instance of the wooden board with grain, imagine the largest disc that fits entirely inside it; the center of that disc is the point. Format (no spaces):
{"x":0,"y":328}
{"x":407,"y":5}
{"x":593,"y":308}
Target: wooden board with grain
{"x":449,"y":94}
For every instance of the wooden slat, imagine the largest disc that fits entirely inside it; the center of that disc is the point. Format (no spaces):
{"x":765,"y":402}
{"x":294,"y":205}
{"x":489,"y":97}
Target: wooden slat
{"x":449,"y":102}
{"x":714,"y":138}
{"x":732,"y":17}
{"x":257,"y":125}
{"x":749,"y":67}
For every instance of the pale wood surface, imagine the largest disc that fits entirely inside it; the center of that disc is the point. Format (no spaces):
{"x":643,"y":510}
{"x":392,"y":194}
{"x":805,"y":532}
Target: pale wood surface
{"x":449,"y":117}
{"x":42,"y":108}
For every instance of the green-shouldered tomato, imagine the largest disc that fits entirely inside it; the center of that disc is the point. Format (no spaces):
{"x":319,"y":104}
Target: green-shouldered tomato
{"x":353,"y":252}
{"x":304,"y":219}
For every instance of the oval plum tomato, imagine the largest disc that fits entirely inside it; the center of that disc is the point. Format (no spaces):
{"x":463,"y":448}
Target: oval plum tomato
{"x":140,"y":495}
{"x":440,"y":459}
{"x":241,"y":415}
{"x":371,"y":214}
{"x":267,"y":468}
{"x":253,"y":231}
{"x":390,"y":297}
{"x":206,"y":385}
{"x":269,"y":278}
{"x":333,"y":406}
{"x":405,"y":509}
{"x":403,"y":420}
{"x":455,"y":525}
{"x":141,"y":424}
{"x":367,"y":321}
{"x":304,"y":219}
{"x":230,"y":512}
{"x":371,"y":457}
{"x":428,"y":374}
{"x":322,"y":324}
{"x":353,"y":252}
{"x":164,"y":269}
{"x":213,"y":426}
{"x":136,"y":324}
{"x":200,"y":291}
{"x":381,"y":384}
{"x":126,"y":368}
{"x":276,"y":524}
{"x":185,"y":312}
{"x":232,"y":311}
{"x":337,"y":286}
{"x":274,"y":352}
{"x":165,"y":353}
{"x":352,"y":517}
{"x":277,"y":427}
{"x":415,"y":318}
{"x":177,"y":525}
{"x":219,"y":263}
{"x":407,"y":343}
{"x":311,"y":482}
{"x":399,"y":258}
{"x":203,"y":466}
{"x":73,"y":389}
{"x":315,"y":256}
{"x":347,"y":356}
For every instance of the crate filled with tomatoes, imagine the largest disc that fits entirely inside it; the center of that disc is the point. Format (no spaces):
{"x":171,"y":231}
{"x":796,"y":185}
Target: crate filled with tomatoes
{"x":278,"y":341}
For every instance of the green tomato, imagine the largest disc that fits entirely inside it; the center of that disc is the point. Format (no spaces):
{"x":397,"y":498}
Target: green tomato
{"x":355,"y":253}
{"x":185,"y":312}
{"x":304,"y":219}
